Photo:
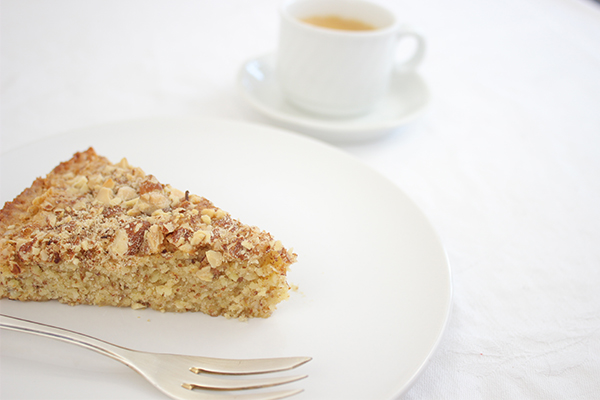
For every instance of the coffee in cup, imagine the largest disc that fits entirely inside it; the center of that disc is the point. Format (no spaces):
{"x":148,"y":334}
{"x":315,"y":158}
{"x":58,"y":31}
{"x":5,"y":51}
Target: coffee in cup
{"x":336,"y":22}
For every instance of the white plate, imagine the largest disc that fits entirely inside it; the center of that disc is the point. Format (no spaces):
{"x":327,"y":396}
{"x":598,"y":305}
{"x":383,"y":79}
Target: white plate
{"x":374,"y":281}
{"x":407,"y":98}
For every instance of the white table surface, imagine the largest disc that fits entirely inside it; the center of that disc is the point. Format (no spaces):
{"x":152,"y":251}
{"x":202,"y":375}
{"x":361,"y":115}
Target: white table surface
{"x":505,"y":162}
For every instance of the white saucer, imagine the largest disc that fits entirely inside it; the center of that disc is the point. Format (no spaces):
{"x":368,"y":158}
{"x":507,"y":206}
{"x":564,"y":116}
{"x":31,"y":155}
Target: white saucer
{"x":407,"y":98}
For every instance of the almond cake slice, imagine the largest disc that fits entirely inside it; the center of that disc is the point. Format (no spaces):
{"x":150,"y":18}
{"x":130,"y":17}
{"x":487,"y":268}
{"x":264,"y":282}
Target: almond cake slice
{"x":93,"y":232}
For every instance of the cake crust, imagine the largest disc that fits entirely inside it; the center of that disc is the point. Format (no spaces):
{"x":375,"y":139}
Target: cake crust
{"x":93,"y":232}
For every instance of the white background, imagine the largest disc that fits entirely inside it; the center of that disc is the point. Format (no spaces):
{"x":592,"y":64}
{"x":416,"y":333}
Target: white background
{"x":505,"y":162}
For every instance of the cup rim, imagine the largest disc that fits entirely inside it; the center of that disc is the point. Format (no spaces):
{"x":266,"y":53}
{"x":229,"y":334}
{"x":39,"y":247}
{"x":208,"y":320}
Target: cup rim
{"x":393,"y":27}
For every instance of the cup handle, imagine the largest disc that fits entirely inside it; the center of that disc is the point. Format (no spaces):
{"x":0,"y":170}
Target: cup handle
{"x":418,"y":53}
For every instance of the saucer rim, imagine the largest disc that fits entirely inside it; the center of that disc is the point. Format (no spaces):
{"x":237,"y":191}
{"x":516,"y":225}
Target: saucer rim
{"x":313,"y":122}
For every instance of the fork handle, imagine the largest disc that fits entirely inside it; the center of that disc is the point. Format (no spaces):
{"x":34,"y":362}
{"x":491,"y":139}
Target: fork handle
{"x":22,"y":325}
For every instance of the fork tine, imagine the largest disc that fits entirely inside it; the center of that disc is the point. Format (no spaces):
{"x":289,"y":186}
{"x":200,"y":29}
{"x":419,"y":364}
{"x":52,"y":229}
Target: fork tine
{"x":246,"y":367}
{"x":278,"y":395}
{"x":208,"y":382}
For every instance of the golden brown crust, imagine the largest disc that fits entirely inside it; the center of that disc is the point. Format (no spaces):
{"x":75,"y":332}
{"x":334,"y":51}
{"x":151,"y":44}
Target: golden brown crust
{"x":13,"y":210}
{"x":94,"y":232}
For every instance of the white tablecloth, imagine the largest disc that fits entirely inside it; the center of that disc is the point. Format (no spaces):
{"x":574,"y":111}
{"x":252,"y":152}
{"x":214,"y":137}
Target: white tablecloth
{"x":505,"y":162}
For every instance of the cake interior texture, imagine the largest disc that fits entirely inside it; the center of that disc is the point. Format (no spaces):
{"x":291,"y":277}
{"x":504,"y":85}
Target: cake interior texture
{"x":93,"y":232}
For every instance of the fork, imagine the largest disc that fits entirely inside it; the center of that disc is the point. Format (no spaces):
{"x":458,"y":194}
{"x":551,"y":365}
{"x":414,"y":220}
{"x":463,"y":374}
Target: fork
{"x":177,"y":375}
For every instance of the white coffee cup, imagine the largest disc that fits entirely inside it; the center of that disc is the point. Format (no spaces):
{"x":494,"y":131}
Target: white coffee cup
{"x":340,"y":72}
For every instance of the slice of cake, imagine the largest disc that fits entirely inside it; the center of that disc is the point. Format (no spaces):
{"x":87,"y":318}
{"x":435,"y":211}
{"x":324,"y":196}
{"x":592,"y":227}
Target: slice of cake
{"x":93,"y":232}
